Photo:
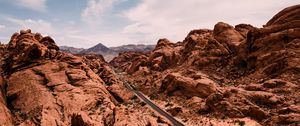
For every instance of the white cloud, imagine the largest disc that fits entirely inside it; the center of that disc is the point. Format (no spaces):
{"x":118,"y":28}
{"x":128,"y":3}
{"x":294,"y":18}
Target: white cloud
{"x":147,"y":21}
{"x":86,"y":40}
{"x":173,"y":19}
{"x":62,"y":35}
{"x":35,"y":25}
{"x":68,"y":35}
{"x":38,"y":5}
{"x":95,"y":9}
{"x":2,"y":26}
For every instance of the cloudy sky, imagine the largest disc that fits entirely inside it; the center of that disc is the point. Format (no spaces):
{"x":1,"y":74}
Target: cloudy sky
{"x":84,"y":23}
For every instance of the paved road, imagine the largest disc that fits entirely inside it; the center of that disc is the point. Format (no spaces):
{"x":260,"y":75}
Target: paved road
{"x":150,"y":103}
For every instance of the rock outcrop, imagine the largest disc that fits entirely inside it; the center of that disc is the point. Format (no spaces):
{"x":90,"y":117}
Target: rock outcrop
{"x":236,"y":72}
{"x":47,"y":87}
{"x":124,"y":60}
{"x":43,"y":86}
{"x":5,"y":115}
{"x":200,"y":48}
{"x":175,"y":83}
{"x":104,"y":71}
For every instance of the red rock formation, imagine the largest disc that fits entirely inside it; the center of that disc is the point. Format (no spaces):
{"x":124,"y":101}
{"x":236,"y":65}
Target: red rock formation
{"x":165,"y":55}
{"x":124,"y":60}
{"x":225,"y":33}
{"x":5,"y":115}
{"x":47,"y":87}
{"x":176,"y":84}
{"x":113,"y":84}
{"x":200,"y":47}
{"x":44,"y":86}
{"x":239,"y":72}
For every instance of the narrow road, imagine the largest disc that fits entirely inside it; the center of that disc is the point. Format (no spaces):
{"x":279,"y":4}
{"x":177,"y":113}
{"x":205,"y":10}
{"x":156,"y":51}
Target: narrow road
{"x":149,"y":102}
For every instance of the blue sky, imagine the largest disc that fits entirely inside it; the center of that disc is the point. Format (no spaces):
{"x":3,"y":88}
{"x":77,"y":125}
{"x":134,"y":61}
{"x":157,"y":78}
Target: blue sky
{"x":84,"y":23}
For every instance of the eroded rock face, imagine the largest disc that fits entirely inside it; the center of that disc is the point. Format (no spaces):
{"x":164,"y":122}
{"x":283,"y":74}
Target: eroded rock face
{"x":104,"y":71}
{"x":236,"y":72}
{"x":243,"y":29}
{"x":5,"y":115}
{"x":124,"y":60}
{"x":271,"y":51}
{"x":287,"y":15}
{"x":225,"y":33}
{"x":269,"y":58}
{"x":47,"y":87}
{"x":200,"y":48}
{"x":26,"y":47}
{"x":259,"y":101}
{"x":43,"y":86}
{"x":177,"y":84}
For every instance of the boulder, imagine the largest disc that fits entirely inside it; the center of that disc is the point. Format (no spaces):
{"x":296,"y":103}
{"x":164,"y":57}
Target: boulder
{"x":236,"y":103}
{"x":243,"y":29}
{"x":165,"y":55}
{"x":225,"y":33}
{"x":176,"y":84}
{"x":122,"y":61}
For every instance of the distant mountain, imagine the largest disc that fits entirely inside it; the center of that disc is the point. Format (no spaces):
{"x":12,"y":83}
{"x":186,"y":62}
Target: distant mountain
{"x":98,"y":49}
{"x":131,"y":47}
{"x":108,"y":52}
{"x":71,"y":49}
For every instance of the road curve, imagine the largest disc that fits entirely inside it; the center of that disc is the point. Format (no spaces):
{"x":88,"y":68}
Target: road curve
{"x":150,"y":103}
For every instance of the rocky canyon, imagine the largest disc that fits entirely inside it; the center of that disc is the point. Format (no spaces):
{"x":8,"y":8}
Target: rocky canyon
{"x":230,"y":75}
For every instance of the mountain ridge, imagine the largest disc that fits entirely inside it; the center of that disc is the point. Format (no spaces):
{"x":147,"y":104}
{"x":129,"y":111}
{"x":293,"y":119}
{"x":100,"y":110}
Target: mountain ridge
{"x":108,"y":52}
